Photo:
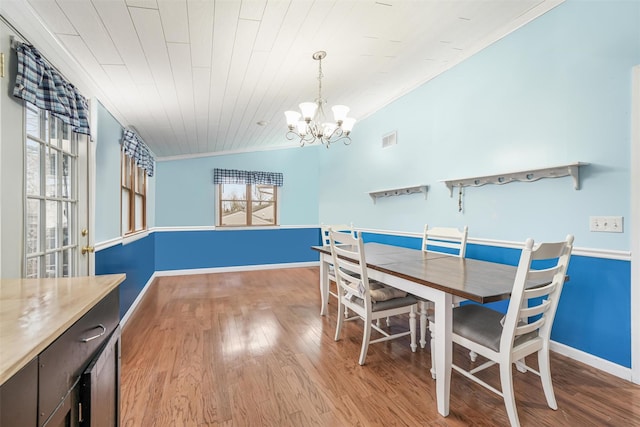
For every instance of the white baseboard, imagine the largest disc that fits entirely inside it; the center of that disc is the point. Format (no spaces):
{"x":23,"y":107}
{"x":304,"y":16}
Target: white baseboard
{"x":591,"y":360}
{"x":237,"y":268}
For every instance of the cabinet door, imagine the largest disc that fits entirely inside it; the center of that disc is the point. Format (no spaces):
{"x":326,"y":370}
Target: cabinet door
{"x":67,"y":412}
{"x":19,"y":398}
{"x":100,"y":386}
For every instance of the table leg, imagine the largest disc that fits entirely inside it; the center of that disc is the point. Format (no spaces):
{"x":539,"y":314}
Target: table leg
{"x":443,"y":350}
{"x":324,"y":283}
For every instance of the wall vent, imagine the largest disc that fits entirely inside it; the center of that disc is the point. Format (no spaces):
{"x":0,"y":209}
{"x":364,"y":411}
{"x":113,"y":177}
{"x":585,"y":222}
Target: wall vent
{"x":389,"y":139}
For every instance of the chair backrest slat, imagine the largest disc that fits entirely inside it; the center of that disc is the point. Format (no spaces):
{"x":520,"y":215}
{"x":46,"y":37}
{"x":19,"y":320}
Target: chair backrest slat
{"x":438,"y":238}
{"x":534,"y":309}
{"x":347,"y":252}
{"x":343,"y":228}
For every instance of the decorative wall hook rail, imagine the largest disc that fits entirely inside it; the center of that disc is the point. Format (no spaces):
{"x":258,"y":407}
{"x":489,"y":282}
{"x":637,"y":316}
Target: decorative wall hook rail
{"x":399,"y":191}
{"x":529,"y":175}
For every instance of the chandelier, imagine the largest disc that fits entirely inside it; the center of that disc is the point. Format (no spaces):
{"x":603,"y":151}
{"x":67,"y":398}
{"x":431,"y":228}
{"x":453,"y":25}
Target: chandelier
{"x":310,"y":124}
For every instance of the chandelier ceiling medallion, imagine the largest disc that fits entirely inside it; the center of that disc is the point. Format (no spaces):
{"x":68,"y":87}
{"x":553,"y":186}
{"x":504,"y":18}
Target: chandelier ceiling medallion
{"x":310,"y":124}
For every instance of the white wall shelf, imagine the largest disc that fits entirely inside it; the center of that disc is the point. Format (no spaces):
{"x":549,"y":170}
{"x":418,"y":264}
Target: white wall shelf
{"x":529,"y":175}
{"x":399,"y":191}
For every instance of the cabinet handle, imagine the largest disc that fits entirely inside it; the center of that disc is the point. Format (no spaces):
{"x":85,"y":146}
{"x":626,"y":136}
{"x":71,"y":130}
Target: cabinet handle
{"x":104,"y":330}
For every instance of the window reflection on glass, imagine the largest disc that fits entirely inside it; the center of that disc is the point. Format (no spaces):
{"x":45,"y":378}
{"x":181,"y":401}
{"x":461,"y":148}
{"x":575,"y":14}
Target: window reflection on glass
{"x":51,"y":170}
{"x":51,"y":265}
{"x":126,"y":226}
{"x":139,"y":212}
{"x":66,"y":177}
{"x":33,"y":167}
{"x":67,"y":262}
{"x":66,"y":138}
{"x":52,"y":224}
{"x":32,"y":268}
{"x":32,"y":226}
{"x":263,"y":213}
{"x":66,"y":221}
{"x":33,"y":121}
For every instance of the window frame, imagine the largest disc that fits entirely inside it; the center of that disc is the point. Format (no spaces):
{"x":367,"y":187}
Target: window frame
{"x":57,"y":146}
{"x":130,"y":176}
{"x":249,"y":206}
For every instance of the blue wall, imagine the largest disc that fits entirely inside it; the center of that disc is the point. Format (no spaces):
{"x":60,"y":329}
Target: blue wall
{"x":136,"y":260}
{"x":229,"y":248}
{"x":593,"y":314}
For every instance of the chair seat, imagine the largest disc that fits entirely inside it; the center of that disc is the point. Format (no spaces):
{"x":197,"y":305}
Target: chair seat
{"x":388,"y":304}
{"x":483,"y":326}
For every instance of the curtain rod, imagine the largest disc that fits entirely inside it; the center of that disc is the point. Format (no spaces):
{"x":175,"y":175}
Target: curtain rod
{"x":20,"y":38}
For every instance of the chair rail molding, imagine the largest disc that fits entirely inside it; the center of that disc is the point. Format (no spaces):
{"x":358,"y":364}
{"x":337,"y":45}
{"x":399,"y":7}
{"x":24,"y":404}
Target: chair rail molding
{"x":527,"y":175}
{"x":399,"y":191}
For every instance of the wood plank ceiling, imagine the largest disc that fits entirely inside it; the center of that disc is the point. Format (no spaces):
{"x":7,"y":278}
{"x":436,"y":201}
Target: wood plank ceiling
{"x":196,"y":76}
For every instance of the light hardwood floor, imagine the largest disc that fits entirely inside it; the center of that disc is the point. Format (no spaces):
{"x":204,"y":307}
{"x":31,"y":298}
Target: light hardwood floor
{"x":251,"y":349}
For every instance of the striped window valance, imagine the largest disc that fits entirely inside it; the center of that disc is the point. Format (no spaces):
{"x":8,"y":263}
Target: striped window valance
{"x":39,"y":83}
{"x":135,"y":148}
{"x":233,"y":176}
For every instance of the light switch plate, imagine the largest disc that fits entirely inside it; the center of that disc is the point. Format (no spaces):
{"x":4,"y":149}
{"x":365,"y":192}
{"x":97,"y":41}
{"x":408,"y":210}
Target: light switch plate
{"x":607,"y":224}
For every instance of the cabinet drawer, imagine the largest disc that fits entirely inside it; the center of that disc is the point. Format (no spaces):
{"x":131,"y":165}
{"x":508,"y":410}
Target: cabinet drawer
{"x":64,"y":360}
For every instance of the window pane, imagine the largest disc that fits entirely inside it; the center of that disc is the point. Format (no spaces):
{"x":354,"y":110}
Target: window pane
{"x":67,"y":262}
{"x":126,"y":171}
{"x":263,"y":193}
{"x":54,"y":128}
{"x":126,"y":227}
{"x":140,"y":180}
{"x":33,"y":167}
{"x":138,"y":211}
{"x":67,"y":220}
{"x":65,"y":134}
{"x":51,"y":170}
{"x":67,"y":170}
{"x":234,"y":213}
{"x":234,"y":192}
{"x":33,"y":121}
{"x":263,"y":213}
{"x":52,"y":225}
{"x":33,"y":268}
{"x":33,"y":226}
{"x":51,"y":266}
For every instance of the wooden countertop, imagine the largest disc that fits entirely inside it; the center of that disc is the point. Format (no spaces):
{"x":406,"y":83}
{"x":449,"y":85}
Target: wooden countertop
{"x":34,"y":312}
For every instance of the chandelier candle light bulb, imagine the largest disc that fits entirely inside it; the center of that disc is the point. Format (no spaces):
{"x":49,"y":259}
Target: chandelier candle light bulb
{"x":313,"y":126}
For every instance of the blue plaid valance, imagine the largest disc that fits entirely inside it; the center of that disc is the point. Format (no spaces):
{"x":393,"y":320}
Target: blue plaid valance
{"x":233,"y":176}
{"x":39,"y":83}
{"x":135,"y":148}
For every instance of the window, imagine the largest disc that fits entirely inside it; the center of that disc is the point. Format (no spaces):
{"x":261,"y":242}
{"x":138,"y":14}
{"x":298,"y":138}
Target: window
{"x":134,"y":196}
{"x":246,"y":198}
{"x":51,"y":208}
{"x":247,"y":204}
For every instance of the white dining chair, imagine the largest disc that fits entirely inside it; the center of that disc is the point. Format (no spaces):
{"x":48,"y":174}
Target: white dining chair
{"x":450,"y":241}
{"x":526,"y":327}
{"x":324,"y":230}
{"x":361,"y":297}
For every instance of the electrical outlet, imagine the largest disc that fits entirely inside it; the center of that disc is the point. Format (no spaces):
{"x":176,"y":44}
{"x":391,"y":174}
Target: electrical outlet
{"x":607,"y":224}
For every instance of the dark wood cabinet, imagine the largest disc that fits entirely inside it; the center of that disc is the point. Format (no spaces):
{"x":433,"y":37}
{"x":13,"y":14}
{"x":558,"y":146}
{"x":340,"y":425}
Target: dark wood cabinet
{"x":100,"y":387}
{"x":75,"y":381}
{"x":19,"y":397}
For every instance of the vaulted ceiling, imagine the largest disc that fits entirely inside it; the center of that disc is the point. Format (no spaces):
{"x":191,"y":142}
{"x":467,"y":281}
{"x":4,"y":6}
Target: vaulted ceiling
{"x":197,"y":76}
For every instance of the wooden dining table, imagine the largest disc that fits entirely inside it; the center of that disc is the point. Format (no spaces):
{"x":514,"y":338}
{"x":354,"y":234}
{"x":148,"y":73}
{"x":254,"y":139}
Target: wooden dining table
{"x":435,"y":277}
